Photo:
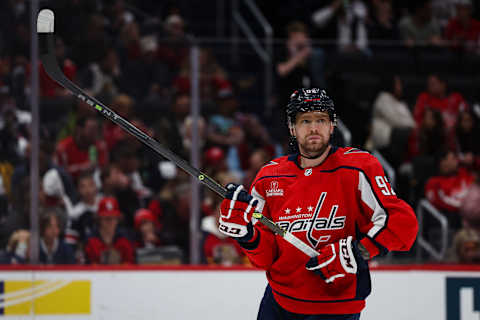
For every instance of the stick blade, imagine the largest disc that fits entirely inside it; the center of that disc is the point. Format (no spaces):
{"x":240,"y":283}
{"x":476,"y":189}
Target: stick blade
{"x":45,"y":21}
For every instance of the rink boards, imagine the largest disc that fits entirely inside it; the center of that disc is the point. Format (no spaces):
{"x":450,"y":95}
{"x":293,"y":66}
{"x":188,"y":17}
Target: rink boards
{"x":407,"y":292}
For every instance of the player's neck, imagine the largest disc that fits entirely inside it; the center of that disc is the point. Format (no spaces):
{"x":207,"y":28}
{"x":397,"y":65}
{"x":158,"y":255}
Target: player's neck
{"x":309,"y":163}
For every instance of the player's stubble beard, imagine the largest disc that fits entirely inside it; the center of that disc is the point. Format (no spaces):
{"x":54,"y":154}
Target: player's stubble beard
{"x":311,"y":150}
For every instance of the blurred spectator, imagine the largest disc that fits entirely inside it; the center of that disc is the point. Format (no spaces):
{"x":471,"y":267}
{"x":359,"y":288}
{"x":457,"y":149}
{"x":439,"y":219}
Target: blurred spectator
{"x":168,"y":128}
{"x":466,"y":242}
{"x":92,"y":43}
{"x":103,"y":79}
{"x":420,"y":28}
{"x":48,"y":87}
{"x":147,"y":229}
{"x":257,"y":160}
{"x":17,"y":247}
{"x":128,"y":44}
{"x":112,"y":132}
{"x":462,"y":30}
{"x":174,"y":44}
{"x":466,"y":246}
{"x":430,"y":136}
{"x":56,"y":184}
{"x":443,"y":11}
{"x":14,"y":130}
{"x":53,"y":248}
{"x":466,"y":138}
{"x":392,"y":121}
{"x":122,"y":181}
{"x":81,"y":219}
{"x":187,"y":133}
{"x":346,"y":22}
{"x":295,"y":64}
{"x":298,"y":65}
{"x":437,"y":97}
{"x":83,"y":150}
{"x":447,"y":189}
{"x":149,"y":79}
{"x":381,"y":25}
{"x":213,"y":79}
{"x":256,"y":137}
{"x":109,"y":245}
{"x":171,"y":206}
{"x":128,"y":161}
{"x":219,"y":249}
{"x":224,"y":128}
{"x":118,"y":17}
{"x":214,"y":161}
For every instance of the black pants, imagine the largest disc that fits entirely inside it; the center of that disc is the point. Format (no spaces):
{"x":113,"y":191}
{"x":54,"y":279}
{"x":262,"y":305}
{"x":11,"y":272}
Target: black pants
{"x":271,"y":310}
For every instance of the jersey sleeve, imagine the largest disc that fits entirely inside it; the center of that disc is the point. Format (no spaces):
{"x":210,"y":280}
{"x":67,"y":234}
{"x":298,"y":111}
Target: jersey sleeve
{"x":262,"y":250}
{"x":389,"y":223}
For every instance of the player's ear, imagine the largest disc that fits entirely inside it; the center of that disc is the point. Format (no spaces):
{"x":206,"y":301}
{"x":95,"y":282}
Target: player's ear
{"x":332,"y":127}
{"x":291,"y":127}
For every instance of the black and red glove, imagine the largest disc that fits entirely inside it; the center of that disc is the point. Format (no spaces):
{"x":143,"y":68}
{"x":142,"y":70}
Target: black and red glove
{"x":236,"y":213}
{"x":335,"y":260}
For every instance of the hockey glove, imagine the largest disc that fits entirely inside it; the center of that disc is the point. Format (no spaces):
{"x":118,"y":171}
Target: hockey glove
{"x":335,"y":260}
{"x":236,"y":213}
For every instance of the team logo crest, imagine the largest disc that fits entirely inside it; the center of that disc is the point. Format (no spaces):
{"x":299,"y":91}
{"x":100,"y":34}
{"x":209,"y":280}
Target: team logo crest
{"x":308,"y":172}
{"x":274,"y":190}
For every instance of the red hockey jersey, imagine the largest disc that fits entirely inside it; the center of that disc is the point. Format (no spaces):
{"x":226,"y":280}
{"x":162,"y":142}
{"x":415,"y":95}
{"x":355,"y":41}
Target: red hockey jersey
{"x":348,"y":194}
{"x":447,"y":192}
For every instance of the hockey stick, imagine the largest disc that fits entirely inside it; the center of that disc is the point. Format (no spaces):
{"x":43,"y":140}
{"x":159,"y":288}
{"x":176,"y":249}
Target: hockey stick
{"x":45,"y":30}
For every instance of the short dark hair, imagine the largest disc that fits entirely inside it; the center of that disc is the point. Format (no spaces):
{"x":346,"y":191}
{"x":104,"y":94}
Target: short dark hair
{"x":296,"y":26}
{"x":87,"y":174}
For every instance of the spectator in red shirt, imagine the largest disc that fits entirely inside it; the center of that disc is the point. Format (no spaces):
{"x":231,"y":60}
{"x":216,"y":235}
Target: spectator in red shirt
{"x":83,"y":150}
{"x":109,"y":245}
{"x":447,"y":190}
{"x":437,"y":98}
{"x":462,"y":30}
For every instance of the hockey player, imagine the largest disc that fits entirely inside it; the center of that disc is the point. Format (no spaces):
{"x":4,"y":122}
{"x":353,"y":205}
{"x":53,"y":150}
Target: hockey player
{"x":338,"y":200}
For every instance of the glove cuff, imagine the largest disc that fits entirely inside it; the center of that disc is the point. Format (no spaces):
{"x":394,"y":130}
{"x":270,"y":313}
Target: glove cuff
{"x":370,"y":247}
{"x":250,"y":234}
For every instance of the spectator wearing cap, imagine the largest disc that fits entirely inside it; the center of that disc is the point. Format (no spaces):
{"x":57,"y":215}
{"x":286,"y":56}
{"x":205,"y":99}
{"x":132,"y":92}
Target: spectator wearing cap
{"x":463,"y":31}
{"x":147,"y":229}
{"x":109,"y":245}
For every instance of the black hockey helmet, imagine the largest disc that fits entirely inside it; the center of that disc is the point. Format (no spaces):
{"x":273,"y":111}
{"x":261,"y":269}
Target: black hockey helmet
{"x":306,"y":100}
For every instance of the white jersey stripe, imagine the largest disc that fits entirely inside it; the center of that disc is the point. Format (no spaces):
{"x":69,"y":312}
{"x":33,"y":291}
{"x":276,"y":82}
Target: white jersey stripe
{"x":379,"y":216}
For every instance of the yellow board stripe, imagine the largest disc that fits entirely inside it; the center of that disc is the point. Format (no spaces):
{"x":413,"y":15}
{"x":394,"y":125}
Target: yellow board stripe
{"x":46,"y":297}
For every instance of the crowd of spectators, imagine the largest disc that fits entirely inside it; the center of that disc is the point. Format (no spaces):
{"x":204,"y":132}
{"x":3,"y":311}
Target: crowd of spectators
{"x":106,"y":199}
